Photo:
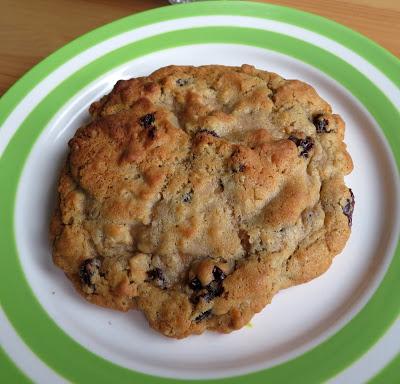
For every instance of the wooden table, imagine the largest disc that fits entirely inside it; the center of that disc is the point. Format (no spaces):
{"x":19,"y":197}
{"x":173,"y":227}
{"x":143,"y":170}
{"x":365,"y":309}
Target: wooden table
{"x":32,"y":29}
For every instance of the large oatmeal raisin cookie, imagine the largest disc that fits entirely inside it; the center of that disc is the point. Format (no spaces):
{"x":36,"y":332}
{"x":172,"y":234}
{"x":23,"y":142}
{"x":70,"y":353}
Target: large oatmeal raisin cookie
{"x":196,"y":194}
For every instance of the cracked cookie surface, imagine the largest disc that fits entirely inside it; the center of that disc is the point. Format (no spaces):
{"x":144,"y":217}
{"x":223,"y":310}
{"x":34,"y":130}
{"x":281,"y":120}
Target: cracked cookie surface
{"x":196,"y":193}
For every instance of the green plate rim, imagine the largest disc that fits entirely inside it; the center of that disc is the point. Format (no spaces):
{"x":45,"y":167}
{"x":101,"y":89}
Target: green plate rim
{"x":389,"y":374}
{"x":146,"y":44}
{"x":10,"y":373}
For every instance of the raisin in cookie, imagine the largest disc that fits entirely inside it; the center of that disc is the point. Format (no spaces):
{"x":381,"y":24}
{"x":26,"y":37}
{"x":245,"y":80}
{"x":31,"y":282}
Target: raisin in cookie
{"x":196,"y":194}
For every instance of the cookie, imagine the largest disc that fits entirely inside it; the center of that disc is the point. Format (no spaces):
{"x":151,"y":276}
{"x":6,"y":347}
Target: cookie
{"x":196,"y":193}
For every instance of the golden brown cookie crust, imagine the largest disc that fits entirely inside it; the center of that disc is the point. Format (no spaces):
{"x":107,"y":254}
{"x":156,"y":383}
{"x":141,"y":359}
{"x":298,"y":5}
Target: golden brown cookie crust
{"x":197,"y":193}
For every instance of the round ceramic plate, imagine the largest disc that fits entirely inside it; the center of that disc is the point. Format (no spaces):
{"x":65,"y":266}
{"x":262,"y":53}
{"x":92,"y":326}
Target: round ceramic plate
{"x":340,"y":327}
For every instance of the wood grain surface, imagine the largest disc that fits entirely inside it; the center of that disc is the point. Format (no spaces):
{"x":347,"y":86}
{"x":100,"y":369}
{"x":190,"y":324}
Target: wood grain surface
{"x":32,"y":29}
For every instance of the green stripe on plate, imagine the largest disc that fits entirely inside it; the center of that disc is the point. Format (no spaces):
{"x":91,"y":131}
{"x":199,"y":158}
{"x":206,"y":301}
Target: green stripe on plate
{"x":10,"y":372}
{"x":390,"y":374}
{"x":372,"y":52}
{"x":77,"y":364}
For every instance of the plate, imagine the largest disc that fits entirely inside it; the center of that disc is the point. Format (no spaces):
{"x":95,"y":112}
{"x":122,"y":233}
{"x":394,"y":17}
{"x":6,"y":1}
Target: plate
{"x":340,"y":327}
